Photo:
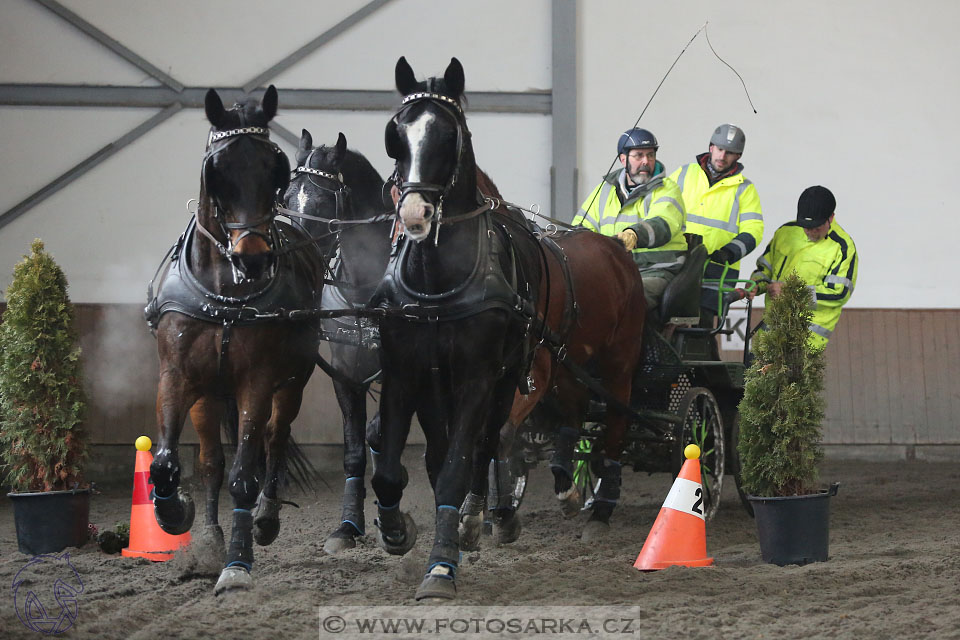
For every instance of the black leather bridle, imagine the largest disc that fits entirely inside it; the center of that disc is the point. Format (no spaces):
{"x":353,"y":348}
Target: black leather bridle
{"x":454,"y":111}
{"x":228,"y":249}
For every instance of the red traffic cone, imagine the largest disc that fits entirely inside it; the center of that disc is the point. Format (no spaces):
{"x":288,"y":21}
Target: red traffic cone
{"x":679,"y":534}
{"x":147,"y":539}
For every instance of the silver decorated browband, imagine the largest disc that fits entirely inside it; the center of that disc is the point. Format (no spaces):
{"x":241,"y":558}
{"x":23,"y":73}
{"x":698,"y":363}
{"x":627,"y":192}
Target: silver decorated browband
{"x":323,"y":174}
{"x":220,"y":135}
{"x":434,"y":96}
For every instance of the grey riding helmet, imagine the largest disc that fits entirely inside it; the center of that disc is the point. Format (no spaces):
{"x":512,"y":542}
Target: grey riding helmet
{"x":729,"y":137}
{"x":636,"y":139}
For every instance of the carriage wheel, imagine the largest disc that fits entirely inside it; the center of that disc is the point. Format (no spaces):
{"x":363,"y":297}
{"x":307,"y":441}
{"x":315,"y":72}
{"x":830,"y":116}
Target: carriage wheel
{"x":703,"y":426}
{"x":734,"y":465}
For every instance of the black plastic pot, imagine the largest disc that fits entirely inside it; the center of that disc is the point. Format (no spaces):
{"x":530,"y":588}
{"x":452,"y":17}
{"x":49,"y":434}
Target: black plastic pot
{"x":51,"y":521}
{"x":794,"y":529}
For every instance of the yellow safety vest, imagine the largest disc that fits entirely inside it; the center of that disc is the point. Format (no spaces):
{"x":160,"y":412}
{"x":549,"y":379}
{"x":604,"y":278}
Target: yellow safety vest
{"x":829,"y":267}
{"x":722,"y":212}
{"x":658,"y":214}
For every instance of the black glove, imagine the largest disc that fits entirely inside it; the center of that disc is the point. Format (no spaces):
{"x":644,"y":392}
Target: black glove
{"x":722,"y":256}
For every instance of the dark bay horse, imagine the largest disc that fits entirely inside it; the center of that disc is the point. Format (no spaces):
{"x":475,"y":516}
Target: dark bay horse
{"x":458,"y":296}
{"x":340,"y":185}
{"x":234,"y":317}
{"x":596,"y":316}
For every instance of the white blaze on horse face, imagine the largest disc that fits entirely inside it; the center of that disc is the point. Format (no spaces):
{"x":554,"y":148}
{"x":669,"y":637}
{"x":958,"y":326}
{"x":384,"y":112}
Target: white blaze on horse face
{"x":302,"y":199}
{"x":415,"y":212}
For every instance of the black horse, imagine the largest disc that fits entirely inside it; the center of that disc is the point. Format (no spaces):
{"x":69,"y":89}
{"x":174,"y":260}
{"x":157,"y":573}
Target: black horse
{"x":458,"y":296}
{"x":234,"y":318}
{"x":343,"y":190}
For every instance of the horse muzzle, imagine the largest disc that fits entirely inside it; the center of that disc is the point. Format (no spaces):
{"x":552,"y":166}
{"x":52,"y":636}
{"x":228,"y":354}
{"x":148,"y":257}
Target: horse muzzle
{"x":417,"y":215}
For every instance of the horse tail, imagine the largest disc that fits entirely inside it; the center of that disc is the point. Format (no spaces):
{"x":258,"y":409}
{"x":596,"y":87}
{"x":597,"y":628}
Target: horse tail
{"x":297,"y":468}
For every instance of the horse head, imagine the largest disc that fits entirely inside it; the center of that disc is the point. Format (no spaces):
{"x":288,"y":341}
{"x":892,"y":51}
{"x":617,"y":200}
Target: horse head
{"x":317,"y":187}
{"x":242,"y":173}
{"x":429,"y":140}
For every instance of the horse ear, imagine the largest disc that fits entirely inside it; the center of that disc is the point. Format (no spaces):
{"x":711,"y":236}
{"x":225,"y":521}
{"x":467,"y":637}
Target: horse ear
{"x":269,"y":103}
{"x":453,"y":78}
{"x":406,"y":81}
{"x":340,"y":149}
{"x":213,"y":107}
{"x":305,"y":146}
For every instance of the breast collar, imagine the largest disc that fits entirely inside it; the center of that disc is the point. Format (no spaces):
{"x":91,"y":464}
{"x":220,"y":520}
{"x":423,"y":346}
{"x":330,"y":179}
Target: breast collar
{"x":487,"y":287}
{"x":287,"y":294}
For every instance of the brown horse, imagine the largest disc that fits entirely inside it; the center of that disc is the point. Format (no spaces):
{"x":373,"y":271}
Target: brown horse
{"x":595,"y":310}
{"x":234,"y":319}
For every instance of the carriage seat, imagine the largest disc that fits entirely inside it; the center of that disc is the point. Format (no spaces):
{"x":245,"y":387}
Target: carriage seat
{"x":681,"y":299}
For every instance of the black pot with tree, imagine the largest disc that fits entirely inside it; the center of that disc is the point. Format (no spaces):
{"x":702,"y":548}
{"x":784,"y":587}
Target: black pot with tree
{"x":42,"y":440}
{"x":781,"y":417}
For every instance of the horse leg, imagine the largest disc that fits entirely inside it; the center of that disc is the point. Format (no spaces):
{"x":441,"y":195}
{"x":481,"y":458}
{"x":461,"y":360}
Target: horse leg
{"x":353,"y":406}
{"x":471,"y":511}
{"x":608,"y":469}
{"x":397,"y":533}
{"x":506,"y":520}
{"x":206,"y":416}
{"x":475,"y":412}
{"x":172,"y":505}
{"x":561,"y":465}
{"x":266,"y":516}
{"x":244,"y":488}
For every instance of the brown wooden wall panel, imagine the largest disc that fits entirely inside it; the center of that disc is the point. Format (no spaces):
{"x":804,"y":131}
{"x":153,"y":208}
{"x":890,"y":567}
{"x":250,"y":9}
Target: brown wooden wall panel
{"x":891,"y":379}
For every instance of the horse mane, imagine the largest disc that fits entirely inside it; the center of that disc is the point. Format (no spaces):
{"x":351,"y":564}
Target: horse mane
{"x":357,"y":170}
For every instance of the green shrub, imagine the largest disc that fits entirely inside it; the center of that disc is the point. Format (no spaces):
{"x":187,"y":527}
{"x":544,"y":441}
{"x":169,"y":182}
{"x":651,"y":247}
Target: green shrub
{"x":783,"y":406}
{"x":42,"y":403}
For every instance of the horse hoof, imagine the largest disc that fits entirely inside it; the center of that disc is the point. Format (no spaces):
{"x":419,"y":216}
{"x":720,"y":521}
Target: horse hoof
{"x":175,"y":514}
{"x":266,"y":520}
{"x":397,"y":543}
{"x":507,"y":529}
{"x":266,"y":531}
{"x":595,"y":531}
{"x":442,"y":588}
{"x":233,"y":579}
{"x":570,"y":502}
{"x":335,"y":545}
{"x":470,"y":528}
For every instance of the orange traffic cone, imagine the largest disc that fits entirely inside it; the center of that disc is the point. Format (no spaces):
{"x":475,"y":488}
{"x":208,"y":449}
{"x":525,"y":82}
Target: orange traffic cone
{"x":679,"y":535}
{"x":147,"y":539}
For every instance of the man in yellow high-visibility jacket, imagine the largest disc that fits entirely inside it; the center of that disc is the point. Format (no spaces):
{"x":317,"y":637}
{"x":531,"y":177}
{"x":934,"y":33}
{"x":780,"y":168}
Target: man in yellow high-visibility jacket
{"x":722,"y":205}
{"x":822,"y":254}
{"x":642,"y":207}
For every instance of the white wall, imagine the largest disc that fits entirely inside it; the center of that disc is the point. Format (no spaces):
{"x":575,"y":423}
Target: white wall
{"x":109,"y":229}
{"x":859,"y":96}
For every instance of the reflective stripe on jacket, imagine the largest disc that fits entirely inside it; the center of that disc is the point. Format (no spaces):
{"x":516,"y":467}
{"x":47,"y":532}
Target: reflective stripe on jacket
{"x":654,"y":211}
{"x":727,"y":215}
{"x":829,"y":267}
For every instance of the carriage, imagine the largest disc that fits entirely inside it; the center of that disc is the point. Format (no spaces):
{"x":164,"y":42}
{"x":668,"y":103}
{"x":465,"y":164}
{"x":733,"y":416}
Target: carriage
{"x":683,"y":393}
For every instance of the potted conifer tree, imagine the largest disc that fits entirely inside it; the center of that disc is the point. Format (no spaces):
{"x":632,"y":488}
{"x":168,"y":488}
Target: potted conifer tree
{"x":780,"y":433}
{"x":42,"y":441}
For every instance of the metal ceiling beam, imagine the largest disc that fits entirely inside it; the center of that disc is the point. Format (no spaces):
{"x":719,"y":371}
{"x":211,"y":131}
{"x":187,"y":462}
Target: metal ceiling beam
{"x":285,"y":133}
{"x":65,"y":95}
{"x":86,"y":165}
{"x":110,"y":43}
{"x":313,"y":45}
